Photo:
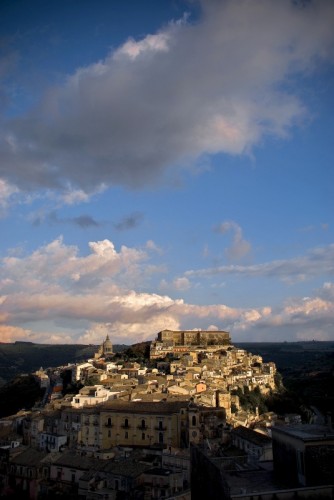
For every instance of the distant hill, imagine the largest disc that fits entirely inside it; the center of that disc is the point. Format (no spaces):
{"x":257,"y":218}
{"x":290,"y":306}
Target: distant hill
{"x":307,"y":368}
{"x":26,"y":357}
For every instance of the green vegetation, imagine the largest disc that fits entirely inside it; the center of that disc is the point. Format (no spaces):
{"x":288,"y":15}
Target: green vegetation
{"x":21,"y":392}
{"x":307,"y":373}
{"x":250,"y":400}
{"x":26,"y":357}
{"x":138,"y":352}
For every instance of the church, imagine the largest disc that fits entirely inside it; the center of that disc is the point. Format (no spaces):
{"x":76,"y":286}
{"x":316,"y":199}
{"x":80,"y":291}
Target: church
{"x":105,"y":349}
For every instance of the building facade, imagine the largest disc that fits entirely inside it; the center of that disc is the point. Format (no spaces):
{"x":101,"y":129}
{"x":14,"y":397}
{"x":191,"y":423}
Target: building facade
{"x":181,"y":342}
{"x":304,"y":454}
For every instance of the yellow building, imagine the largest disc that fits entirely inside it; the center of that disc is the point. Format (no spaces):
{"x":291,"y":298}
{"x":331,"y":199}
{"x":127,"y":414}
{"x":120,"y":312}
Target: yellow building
{"x":163,"y":424}
{"x":144,"y":424}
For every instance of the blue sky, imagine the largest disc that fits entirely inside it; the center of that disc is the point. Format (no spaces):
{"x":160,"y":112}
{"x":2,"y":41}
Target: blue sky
{"x":166,"y":165}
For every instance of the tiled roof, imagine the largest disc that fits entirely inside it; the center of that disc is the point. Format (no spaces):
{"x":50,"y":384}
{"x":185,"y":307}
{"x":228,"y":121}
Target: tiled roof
{"x":30,"y":457}
{"x":81,"y":462}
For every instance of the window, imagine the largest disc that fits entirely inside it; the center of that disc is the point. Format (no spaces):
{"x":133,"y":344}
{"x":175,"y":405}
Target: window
{"x":109,"y":422}
{"x":193,"y":420}
{"x":126,"y":422}
{"x":161,"y":437}
{"x":143,"y":436}
{"x":109,"y":434}
{"x":126,"y":435}
{"x":143,"y":424}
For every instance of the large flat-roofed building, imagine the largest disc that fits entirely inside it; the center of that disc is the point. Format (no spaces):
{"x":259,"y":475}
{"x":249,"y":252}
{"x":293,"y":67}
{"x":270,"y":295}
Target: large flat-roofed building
{"x":304,"y":454}
{"x":182,"y":341}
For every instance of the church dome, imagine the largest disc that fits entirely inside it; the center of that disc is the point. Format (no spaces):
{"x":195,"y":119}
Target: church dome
{"x":107,"y":346}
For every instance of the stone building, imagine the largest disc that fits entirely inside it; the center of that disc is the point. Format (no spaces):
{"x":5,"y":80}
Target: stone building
{"x":144,"y":424}
{"x":24,"y":474}
{"x":181,"y":342}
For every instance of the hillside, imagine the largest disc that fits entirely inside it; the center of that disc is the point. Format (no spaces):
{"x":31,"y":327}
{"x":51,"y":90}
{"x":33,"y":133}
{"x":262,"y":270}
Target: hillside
{"x":26,"y":357}
{"x":307,"y":368}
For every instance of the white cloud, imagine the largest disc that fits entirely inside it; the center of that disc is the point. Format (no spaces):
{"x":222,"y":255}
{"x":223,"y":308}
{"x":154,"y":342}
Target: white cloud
{"x":150,"y":44}
{"x":181,"y":283}
{"x":216,"y":85}
{"x":318,"y":261}
{"x":240,"y":247}
{"x":96,"y":293}
{"x":7,"y":191}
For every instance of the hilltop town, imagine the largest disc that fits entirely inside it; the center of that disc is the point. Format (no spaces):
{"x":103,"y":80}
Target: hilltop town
{"x":109,"y":428}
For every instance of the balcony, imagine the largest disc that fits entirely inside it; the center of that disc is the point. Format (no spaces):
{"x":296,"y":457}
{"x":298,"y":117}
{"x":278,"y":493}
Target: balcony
{"x":142,"y":427}
{"x":124,"y":426}
{"x":109,"y":424}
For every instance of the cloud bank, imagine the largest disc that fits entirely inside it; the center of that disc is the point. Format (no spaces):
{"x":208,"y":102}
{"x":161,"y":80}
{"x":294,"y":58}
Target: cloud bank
{"x":219,"y":84}
{"x":55,"y":294}
{"x":317,"y":261}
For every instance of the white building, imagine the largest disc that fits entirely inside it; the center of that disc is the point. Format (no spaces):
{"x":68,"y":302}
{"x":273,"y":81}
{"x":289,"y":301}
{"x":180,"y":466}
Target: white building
{"x":51,"y":442}
{"x":77,"y":369}
{"x":92,"y":395}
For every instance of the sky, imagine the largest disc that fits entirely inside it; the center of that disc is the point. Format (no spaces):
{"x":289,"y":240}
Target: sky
{"x":166,"y":165}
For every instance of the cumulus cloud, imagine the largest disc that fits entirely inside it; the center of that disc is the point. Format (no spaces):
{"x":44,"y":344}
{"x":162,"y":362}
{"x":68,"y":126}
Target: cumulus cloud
{"x":97,"y":293}
{"x":181,"y":283}
{"x":319,"y":261}
{"x":191,"y":89}
{"x":10,"y":333}
{"x":240,"y":247}
{"x":305,"y":318}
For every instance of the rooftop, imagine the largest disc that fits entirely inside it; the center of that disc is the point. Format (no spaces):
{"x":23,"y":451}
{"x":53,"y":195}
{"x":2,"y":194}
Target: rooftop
{"x":144,"y":406}
{"x":252,"y":436}
{"x":29,"y":457}
{"x":306,"y":432}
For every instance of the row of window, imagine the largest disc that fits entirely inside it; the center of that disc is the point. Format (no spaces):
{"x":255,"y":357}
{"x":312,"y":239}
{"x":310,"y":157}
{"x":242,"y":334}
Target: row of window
{"x":142,"y":425}
{"x":143,"y":436}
